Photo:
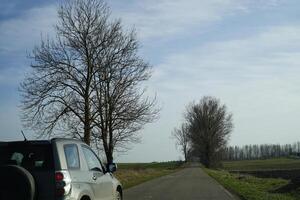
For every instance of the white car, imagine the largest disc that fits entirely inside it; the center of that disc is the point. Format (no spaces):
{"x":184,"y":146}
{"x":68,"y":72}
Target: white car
{"x":57,"y":169}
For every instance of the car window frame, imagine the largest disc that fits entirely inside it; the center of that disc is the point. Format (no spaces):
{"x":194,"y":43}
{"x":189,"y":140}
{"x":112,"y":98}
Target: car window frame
{"x":88,"y":148}
{"x":78,"y":156}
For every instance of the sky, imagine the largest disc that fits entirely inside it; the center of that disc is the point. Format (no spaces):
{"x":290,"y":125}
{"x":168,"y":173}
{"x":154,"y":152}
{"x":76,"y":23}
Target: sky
{"x":244,"y":52}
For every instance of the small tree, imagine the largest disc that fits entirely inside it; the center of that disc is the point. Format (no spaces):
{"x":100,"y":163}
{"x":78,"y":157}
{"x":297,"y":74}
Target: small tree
{"x":210,"y":126}
{"x":181,"y":136}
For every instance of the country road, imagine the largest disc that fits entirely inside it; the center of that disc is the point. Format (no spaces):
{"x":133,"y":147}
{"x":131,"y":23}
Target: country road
{"x":188,"y":184}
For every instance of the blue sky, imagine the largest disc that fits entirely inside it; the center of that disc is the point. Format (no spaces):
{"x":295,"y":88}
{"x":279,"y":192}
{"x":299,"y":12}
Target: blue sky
{"x":245,"y":52}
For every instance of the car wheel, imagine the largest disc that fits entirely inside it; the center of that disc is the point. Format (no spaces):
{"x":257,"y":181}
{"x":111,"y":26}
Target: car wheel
{"x":118,"y":196}
{"x":16,"y":183}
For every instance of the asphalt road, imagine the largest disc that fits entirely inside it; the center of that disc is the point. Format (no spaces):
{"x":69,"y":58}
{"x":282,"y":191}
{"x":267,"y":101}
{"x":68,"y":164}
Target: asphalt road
{"x":187,"y":184}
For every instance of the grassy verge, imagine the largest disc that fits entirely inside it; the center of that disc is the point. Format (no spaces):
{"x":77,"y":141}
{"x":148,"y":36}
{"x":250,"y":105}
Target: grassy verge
{"x":252,"y":188}
{"x":131,"y":174}
{"x":279,"y":163}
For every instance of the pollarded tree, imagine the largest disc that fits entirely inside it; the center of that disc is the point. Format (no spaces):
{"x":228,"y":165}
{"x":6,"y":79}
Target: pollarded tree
{"x":210,"y":126}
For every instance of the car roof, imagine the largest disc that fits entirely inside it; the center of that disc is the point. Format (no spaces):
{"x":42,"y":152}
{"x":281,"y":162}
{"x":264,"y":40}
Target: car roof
{"x":27,"y":142}
{"x":41,"y":142}
{"x":63,"y":140}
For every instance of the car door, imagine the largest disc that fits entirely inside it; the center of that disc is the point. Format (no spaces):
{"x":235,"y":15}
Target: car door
{"x":101,"y":182}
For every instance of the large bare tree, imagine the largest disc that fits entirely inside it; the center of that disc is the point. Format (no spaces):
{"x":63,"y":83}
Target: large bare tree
{"x":182,"y":137}
{"x":57,"y":93}
{"x":210,"y":126}
{"x":85,"y":83}
{"x":121,"y":107}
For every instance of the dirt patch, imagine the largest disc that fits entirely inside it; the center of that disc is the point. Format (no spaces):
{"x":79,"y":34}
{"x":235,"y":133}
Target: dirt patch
{"x":289,"y":174}
{"x":286,"y":188}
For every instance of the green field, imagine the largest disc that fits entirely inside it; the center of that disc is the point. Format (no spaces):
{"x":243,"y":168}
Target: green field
{"x":153,"y":165}
{"x":131,"y":174}
{"x":279,"y":163}
{"x":252,"y":188}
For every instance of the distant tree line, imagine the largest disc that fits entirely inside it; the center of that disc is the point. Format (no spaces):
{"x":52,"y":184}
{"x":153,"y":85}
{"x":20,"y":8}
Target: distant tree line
{"x":262,"y":151}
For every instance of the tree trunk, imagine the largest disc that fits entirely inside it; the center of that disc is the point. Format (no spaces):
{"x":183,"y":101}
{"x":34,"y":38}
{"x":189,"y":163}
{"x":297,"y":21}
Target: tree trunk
{"x":111,"y":147}
{"x":207,"y":158}
{"x":87,"y":124}
{"x":87,"y":134}
{"x":185,"y":154}
{"x":109,"y":157}
{"x":108,"y":153}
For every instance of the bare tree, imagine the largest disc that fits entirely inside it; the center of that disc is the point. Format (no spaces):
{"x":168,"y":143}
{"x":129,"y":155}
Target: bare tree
{"x":121,"y":109}
{"x":85,"y":83}
{"x":210,"y":126}
{"x":181,"y":136}
{"x":57,"y":94}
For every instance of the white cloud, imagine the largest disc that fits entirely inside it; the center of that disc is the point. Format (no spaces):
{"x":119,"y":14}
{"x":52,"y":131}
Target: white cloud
{"x":10,"y":76}
{"x":23,"y":32}
{"x":257,"y":76}
{"x":272,"y":52}
{"x":18,"y":36}
{"x":161,"y":18}
{"x":9,"y":122}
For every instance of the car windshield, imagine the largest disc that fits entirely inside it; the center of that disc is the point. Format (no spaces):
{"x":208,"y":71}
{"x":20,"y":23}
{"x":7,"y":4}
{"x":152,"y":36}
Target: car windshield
{"x":29,"y":156}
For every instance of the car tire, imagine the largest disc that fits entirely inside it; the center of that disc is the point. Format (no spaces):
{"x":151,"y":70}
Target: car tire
{"x":118,"y":195}
{"x":16,"y":183}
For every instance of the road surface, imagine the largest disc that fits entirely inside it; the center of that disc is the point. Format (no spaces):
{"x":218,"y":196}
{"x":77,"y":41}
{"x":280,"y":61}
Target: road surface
{"x":188,"y":184}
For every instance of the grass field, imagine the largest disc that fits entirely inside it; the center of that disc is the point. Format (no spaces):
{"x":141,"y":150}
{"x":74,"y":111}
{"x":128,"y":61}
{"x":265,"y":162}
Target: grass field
{"x":131,"y":174}
{"x":252,"y":188}
{"x":280,"y":163}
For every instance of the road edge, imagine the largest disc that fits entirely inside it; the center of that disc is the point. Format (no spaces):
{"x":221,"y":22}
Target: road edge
{"x":231,"y":193}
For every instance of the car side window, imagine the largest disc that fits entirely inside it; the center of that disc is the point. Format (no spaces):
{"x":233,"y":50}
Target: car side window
{"x":72,"y":157}
{"x":91,"y":159}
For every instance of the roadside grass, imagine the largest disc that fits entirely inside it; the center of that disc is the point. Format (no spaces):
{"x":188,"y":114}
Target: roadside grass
{"x":131,"y":174}
{"x":278,"y":163}
{"x":252,"y":188}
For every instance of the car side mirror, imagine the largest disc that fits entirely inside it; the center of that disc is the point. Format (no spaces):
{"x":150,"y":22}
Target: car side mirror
{"x":112,"y":167}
